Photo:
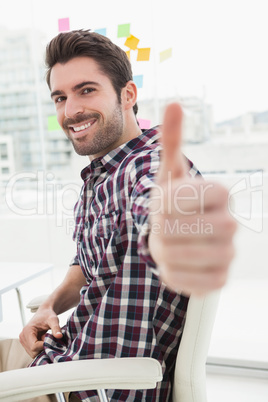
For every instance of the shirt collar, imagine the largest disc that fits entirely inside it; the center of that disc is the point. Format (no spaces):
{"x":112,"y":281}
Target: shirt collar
{"x":112,"y":159}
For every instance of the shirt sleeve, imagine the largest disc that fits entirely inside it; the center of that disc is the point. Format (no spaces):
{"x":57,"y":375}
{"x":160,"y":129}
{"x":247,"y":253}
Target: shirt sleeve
{"x":142,"y":181}
{"x":74,"y":261}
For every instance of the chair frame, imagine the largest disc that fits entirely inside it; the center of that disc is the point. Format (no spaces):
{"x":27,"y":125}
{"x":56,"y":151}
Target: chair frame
{"x":125,"y":373}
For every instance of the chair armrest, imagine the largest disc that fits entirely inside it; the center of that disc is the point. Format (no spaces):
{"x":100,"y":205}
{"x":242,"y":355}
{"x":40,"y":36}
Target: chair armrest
{"x":35,"y":303}
{"x":115,"y":373}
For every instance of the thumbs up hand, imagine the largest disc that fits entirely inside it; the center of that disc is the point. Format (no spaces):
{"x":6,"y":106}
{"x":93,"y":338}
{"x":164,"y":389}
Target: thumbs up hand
{"x":191,"y":230}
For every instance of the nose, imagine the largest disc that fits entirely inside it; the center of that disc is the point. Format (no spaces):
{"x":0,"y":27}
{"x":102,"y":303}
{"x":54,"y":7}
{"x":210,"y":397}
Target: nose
{"x":73,"y":107}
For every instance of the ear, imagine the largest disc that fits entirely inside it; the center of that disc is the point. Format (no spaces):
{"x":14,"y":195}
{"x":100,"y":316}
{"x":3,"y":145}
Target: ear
{"x":129,"y":95}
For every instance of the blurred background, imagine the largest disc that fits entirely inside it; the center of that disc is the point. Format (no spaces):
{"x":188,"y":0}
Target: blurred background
{"x":209,"y":55}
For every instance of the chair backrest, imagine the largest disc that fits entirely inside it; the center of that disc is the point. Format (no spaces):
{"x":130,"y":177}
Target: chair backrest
{"x":190,"y":371}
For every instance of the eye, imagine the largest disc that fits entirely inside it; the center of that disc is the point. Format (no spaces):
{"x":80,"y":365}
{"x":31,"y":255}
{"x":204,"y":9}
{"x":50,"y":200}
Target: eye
{"x":59,"y":99}
{"x":88,"y":90}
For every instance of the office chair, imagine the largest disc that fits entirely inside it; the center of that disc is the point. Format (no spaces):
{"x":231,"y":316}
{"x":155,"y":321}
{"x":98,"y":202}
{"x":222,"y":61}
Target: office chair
{"x":125,"y":373}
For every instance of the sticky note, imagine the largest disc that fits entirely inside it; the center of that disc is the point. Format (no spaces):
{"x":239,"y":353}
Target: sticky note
{"x":138,"y":79}
{"x":166,"y":54}
{"x":132,"y":42}
{"x":144,"y":123}
{"x":101,"y":31}
{"x":143,"y":54}
{"x":128,"y":54}
{"x":64,"y":24}
{"x":52,"y":123}
{"x":123,"y":30}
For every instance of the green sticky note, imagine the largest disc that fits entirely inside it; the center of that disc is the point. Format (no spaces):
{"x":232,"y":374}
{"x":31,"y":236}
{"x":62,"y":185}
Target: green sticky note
{"x":123,"y":31}
{"x":52,"y":123}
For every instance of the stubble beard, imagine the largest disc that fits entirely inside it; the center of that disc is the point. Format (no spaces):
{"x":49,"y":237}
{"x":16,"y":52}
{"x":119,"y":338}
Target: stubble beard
{"x":104,"y":137}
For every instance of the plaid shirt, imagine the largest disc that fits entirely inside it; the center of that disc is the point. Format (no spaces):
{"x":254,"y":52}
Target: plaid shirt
{"x":124,"y":309}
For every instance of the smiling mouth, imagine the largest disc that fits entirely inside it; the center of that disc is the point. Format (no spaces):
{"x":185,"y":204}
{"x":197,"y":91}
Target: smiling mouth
{"x":82,"y":127}
{"x":76,"y":129}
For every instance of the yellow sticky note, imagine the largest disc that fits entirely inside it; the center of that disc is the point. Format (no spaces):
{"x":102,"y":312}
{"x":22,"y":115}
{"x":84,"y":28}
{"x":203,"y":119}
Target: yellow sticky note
{"x":128,"y":54}
{"x":132,"y":42}
{"x":166,"y":54}
{"x":144,"y":54}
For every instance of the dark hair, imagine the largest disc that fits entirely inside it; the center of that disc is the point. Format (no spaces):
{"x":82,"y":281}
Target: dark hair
{"x":111,"y":59}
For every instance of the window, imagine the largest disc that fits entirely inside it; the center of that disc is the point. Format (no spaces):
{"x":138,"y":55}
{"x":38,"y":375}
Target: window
{"x":5,"y":170}
{"x":217,"y":68}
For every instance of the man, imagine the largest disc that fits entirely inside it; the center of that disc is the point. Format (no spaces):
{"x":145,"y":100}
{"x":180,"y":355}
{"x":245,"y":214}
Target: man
{"x":137,"y":258}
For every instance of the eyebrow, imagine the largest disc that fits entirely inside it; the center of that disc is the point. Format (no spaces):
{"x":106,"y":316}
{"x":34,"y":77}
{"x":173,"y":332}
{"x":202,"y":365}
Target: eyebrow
{"x":75,"y":88}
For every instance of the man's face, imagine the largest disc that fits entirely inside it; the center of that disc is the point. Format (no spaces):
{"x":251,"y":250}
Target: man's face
{"x":87,"y":106}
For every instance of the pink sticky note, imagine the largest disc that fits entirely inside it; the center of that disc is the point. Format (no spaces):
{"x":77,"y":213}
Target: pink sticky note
{"x":145,"y":124}
{"x":64,"y":24}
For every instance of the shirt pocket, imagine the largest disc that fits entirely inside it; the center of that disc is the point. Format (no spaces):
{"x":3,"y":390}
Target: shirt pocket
{"x":107,"y":235}
{"x":106,"y":226}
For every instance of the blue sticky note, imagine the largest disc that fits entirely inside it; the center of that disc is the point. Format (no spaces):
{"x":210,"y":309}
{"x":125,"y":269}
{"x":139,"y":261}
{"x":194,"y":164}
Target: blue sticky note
{"x":101,"y":31}
{"x":138,"y":79}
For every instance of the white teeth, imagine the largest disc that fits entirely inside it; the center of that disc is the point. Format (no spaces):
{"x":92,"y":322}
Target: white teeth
{"x":81,"y":127}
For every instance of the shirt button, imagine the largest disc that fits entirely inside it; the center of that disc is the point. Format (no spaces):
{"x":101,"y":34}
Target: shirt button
{"x":91,"y":263}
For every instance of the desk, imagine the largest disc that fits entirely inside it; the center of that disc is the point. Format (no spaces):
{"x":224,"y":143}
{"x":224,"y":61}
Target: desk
{"x":15,"y":274}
